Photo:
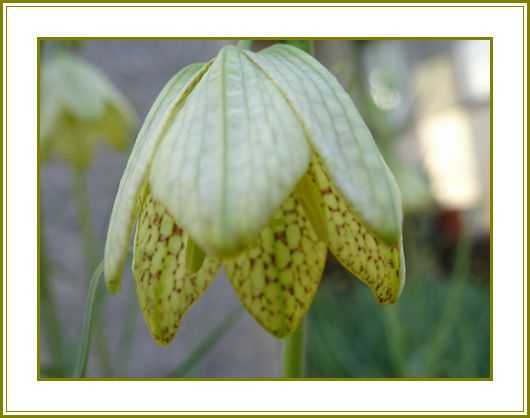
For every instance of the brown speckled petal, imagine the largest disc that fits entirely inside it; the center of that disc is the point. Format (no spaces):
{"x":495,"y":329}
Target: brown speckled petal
{"x":277,"y":278}
{"x":165,"y":287}
{"x":376,"y":263}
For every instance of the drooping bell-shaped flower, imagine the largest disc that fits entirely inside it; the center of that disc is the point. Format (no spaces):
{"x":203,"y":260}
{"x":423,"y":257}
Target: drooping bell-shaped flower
{"x":79,"y":107}
{"x":257,"y":162}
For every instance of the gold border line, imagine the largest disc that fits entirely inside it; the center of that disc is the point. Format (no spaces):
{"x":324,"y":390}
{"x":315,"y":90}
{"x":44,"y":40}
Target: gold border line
{"x":6,"y":213}
{"x":2,"y":213}
{"x":277,"y":4}
{"x":308,"y":6}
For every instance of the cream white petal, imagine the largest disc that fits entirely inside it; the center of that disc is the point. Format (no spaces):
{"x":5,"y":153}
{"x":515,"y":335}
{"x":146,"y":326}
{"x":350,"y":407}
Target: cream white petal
{"x":158,"y":120}
{"x":232,"y":156}
{"x":338,"y":135}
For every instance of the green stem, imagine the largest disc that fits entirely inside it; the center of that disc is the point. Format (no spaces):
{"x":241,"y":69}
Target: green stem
{"x":85,"y":223}
{"x":245,"y":44}
{"x":394,"y":335}
{"x":312,"y":48}
{"x":82,"y":358}
{"x":294,"y":353}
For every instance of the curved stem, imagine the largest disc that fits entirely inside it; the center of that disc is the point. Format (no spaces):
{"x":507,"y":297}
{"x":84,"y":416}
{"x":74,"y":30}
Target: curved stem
{"x":294,"y":353}
{"x":312,"y":49}
{"x":245,"y":44}
{"x":82,"y":358}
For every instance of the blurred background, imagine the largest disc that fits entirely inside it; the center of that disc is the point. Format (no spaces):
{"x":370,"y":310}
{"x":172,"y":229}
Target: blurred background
{"x":427,"y":104}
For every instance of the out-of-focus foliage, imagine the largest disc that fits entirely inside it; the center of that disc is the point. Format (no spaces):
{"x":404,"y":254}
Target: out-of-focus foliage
{"x":416,"y":195}
{"x":80,"y":106}
{"x":440,"y":328}
{"x":415,"y":189}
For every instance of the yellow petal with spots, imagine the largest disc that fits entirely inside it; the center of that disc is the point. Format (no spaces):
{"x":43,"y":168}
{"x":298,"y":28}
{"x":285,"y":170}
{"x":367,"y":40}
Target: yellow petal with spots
{"x":166,"y":288}
{"x":277,"y":277}
{"x":378,"y":264}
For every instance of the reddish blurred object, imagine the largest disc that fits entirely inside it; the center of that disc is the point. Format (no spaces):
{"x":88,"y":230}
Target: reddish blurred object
{"x":448,"y":225}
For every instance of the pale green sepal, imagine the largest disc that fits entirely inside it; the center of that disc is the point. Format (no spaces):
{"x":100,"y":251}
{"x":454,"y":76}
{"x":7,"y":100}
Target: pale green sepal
{"x":231,"y":157}
{"x":338,"y":135}
{"x":159,"y":118}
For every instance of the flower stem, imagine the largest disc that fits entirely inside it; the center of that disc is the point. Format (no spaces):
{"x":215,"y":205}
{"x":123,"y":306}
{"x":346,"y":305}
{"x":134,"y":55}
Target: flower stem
{"x":245,"y":44}
{"x":82,"y":358}
{"x":294,"y":353}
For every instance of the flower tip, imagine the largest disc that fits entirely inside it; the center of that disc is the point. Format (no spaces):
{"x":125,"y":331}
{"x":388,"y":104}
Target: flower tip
{"x":284,"y":333}
{"x":113,"y":281}
{"x":161,"y":341}
{"x":387,"y":301}
{"x":113,"y":286}
{"x":391,"y":294}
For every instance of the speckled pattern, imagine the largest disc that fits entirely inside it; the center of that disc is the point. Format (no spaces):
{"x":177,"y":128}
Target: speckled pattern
{"x":366,"y":256}
{"x":164,"y":286}
{"x":277,"y":278}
